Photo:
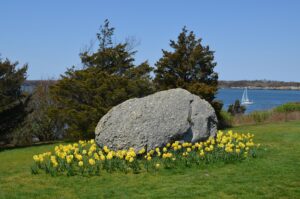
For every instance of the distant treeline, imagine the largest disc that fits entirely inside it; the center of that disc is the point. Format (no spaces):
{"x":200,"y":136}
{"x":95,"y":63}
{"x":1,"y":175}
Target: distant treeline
{"x":29,"y":85}
{"x":33,"y":83}
{"x":258,"y":84}
{"x":222,"y":84}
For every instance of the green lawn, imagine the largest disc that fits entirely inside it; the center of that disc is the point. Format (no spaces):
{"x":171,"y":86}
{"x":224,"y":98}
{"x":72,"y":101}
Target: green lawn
{"x":274,"y":174}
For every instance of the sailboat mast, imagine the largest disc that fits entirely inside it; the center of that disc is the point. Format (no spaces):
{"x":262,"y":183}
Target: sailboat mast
{"x":243,"y":97}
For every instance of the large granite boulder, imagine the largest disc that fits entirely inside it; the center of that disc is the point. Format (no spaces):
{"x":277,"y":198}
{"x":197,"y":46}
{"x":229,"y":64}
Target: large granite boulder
{"x":156,"y":120}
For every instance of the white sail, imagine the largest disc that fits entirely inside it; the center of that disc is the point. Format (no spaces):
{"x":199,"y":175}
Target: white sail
{"x":245,"y":99}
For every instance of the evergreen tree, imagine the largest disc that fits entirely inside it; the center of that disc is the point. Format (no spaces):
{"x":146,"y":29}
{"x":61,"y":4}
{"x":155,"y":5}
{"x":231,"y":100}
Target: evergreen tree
{"x":109,"y":77}
{"x":190,"y":66}
{"x":111,"y":58}
{"x":236,"y":108}
{"x":13,"y":101}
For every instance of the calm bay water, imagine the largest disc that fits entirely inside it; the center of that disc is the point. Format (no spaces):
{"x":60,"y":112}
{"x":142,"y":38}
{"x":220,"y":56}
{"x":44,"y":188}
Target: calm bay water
{"x":263,"y":99}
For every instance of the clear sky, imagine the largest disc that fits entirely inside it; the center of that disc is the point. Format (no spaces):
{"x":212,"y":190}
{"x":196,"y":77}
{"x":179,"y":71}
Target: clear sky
{"x":252,"y":39}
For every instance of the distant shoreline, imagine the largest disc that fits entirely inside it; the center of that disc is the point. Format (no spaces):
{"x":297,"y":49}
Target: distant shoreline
{"x":260,"y":85}
{"x":223,"y":84}
{"x":293,"y":88}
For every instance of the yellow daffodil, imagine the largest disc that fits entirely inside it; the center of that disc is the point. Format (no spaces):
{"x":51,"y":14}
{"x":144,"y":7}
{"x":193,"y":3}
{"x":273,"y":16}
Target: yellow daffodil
{"x":106,"y":149}
{"x":92,"y":161}
{"x":78,"y":157}
{"x":157,"y":150}
{"x":142,"y":151}
{"x":201,"y":153}
{"x":102,"y":157}
{"x":238,"y":145}
{"x":36,"y":158}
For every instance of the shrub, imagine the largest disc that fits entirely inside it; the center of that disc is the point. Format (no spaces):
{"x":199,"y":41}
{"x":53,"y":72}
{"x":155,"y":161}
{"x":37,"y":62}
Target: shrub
{"x":267,"y":116}
{"x":236,"y":108}
{"x":260,"y":116}
{"x":288,"y":107}
{"x":226,"y":119}
{"x":86,"y":158}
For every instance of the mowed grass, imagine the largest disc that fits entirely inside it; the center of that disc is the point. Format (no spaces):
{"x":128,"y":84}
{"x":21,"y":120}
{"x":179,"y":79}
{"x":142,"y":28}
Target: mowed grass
{"x":275,"y":173}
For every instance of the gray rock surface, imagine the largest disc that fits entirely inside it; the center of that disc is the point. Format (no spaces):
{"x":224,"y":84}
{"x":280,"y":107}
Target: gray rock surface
{"x":156,"y":120}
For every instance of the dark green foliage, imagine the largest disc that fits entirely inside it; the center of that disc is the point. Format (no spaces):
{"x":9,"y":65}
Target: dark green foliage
{"x":189,"y":66}
{"x":105,"y":36}
{"x":218,"y":105}
{"x":236,"y":108}
{"x":13,"y":102}
{"x":108,"y":78}
{"x":226,"y":120}
{"x":110,"y":58}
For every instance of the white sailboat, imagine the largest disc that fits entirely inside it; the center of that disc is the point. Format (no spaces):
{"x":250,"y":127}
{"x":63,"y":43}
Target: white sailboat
{"x":245,"y":99}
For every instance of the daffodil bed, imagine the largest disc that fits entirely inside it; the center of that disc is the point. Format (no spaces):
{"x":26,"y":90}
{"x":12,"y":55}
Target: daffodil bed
{"x":86,"y":158}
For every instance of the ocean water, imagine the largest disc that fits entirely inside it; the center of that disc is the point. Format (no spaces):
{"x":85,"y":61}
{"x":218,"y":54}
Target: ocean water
{"x":263,"y":99}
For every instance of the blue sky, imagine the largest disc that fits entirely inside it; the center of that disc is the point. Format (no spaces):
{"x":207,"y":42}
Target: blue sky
{"x":253,"y":39}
